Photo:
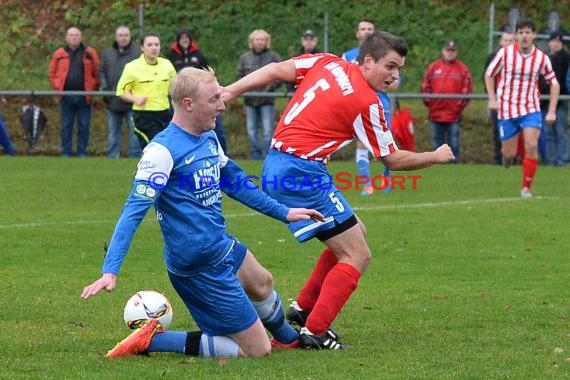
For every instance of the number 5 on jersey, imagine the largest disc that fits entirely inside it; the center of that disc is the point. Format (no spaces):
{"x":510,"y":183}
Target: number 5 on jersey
{"x":309,"y":96}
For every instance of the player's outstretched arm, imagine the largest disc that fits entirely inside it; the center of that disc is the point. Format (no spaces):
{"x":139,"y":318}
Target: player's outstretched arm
{"x":296,"y":214}
{"x":132,"y":215}
{"x":406,"y":160}
{"x":274,"y":72}
{"x":238,"y":186}
{"x":107,"y":281}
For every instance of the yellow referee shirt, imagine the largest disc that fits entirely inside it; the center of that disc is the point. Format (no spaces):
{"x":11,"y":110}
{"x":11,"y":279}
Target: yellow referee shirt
{"x":143,"y":79}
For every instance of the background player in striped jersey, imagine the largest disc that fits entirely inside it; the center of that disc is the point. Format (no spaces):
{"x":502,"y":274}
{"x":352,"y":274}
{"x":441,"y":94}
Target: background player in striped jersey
{"x":517,"y":98}
{"x":507,"y":38}
{"x":335,"y":103}
{"x":181,"y":174}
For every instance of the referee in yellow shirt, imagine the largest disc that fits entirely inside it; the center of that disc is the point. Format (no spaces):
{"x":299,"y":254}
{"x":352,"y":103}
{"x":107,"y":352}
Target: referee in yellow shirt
{"x":145,"y":83}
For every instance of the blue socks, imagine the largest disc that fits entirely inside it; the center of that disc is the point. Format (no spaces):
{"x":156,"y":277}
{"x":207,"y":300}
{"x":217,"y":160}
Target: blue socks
{"x":168,"y":341}
{"x":209,"y":346}
{"x":387,"y":173}
{"x":363,"y":163}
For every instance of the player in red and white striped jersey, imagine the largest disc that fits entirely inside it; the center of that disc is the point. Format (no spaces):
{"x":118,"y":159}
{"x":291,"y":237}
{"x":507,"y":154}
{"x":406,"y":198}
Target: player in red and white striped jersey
{"x":517,"y":97}
{"x":352,"y":109}
{"x":335,"y":102}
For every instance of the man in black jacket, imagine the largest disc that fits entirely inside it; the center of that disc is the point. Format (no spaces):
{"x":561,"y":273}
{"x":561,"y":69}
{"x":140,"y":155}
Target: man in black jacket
{"x":309,"y":42}
{"x":185,"y":53}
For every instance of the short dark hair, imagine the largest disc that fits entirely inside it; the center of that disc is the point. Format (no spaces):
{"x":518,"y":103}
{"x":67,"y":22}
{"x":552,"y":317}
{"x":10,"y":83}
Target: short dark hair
{"x":365,"y":19}
{"x":378,"y":44}
{"x":525,"y":24}
{"x":148,"y":34}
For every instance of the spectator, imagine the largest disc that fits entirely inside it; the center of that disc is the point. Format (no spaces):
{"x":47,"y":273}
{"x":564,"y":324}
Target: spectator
{"x":520,"y":111}
{"x":144,"y":82}
{"x":403,"y":128}
{"x":113,"y":60}
{"x":259,"y":111}
{"x":5,"y":140}
{"x":185,"y":53}
{"x":309,"y":41}
{"x":557,"y":132}
{"x":73,"y":67}
{"x":552,"y":25}
{"x":507,"y":38}
{"x":447,"y":75}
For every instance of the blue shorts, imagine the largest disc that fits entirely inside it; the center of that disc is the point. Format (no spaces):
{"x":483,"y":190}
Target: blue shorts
{"x":304,"y":183}
{"x":215,"y":297}
{"x":510,"y":127}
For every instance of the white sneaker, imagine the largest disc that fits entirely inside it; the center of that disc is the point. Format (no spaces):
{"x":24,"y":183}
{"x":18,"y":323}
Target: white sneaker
{"x":525,"y":193}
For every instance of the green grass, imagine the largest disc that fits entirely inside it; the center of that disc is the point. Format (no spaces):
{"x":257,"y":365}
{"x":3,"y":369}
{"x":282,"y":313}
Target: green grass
{"x":467,"y":282}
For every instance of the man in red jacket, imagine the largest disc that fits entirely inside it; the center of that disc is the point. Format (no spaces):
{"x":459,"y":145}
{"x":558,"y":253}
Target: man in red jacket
{"x":73,"y":67}
{"x":447,"y":75}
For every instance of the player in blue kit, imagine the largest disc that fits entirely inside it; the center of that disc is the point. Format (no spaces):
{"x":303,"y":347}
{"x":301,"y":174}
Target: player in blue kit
{"x":365,"y":27}
{"x":229,"y":294}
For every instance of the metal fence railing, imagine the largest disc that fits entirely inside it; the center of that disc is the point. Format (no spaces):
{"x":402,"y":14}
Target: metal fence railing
{"x":277,"y":94}
{"x":99,"y":143}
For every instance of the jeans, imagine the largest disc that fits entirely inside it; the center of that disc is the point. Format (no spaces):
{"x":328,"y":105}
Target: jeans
{"x":446,"y":132}
{"x":260,"y":117}
{"x":557,"y":136}
{"x":75,"y":107}
{"x":115,"y":122}
{"x":5,"y":138}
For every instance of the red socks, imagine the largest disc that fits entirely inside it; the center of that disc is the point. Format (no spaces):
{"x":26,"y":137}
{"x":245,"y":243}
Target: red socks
{"x":529,"y":170}
{"x":310,"y":292}
{"x":337,"y":288}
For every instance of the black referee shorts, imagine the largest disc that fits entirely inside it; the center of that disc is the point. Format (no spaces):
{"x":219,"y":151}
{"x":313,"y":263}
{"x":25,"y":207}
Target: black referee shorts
{"x":149,"y":123}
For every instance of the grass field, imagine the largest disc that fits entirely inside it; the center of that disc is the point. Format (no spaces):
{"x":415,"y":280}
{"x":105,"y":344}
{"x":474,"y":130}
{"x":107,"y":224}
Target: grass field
{"x":468,"y":281}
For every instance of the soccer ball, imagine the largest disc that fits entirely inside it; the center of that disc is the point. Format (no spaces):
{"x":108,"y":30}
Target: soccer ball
{"x":147,"y":304}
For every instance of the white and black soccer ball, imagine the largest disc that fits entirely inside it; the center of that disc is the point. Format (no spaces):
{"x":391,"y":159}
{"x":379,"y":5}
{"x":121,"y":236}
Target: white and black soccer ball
{"x":147,"y":304}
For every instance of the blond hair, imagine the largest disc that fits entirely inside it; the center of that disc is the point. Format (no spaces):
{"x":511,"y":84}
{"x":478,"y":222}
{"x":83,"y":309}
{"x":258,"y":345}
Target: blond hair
{"x":260,"y":31}
{"x":185,"y":84}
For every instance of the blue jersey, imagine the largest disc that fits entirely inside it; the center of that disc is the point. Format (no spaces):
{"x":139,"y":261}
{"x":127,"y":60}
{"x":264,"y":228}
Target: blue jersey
{"x":183,"y":175}
{"x":350,"y":56}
